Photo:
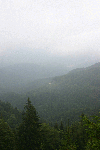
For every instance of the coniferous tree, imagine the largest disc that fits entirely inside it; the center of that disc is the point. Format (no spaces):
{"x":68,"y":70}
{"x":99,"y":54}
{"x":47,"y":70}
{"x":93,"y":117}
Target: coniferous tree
{"x":56,"y":126}
{"x":28,"y":131}
{"x":61,"y":126}
{"x":6,"y":136}
{"x":50,"y":138}
{"x":93,"y":131}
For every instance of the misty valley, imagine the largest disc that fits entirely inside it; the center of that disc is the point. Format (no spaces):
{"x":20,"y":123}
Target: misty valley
{"x":49,"y":75}
{"x":49,"y":108}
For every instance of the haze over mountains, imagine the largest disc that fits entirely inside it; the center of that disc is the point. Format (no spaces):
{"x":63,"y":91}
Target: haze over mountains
{"x":20,"y":55}
{"x":42,"y":44}
{"x":50,"y":54}
{"x":55,"y":98}
{"x":20,"y":67}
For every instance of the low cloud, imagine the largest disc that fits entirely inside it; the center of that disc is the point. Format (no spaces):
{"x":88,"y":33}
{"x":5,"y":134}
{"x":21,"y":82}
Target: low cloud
{"x":54,"y":27}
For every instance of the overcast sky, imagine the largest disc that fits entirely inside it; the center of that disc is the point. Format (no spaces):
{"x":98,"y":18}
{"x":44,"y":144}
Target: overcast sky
{"x":56,"y":27}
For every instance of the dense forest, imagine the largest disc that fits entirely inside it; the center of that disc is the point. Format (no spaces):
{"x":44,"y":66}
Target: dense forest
{"x":68,"y":113}
{"x":25,"y":131}
{"x":61,"y":97}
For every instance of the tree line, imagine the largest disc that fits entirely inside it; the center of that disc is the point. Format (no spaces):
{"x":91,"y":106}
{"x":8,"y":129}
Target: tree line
{"x":31,"y":134}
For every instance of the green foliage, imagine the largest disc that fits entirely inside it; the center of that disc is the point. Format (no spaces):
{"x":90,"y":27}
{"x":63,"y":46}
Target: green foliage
{"x":61,"y":126}
{"x":56,"y":126}
{"x":67,"y":141}
{"x":28,"y":131}
{"x":82,"y":135}
{"x":6,"y":136}
{"x":11,"y":115}
{"x":50,"y":138}
{"x":93,"y":131}
{"x":65,"y":97}
{"x":68,"y":96}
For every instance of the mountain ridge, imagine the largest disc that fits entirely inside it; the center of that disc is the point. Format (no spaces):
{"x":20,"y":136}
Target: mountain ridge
{"x":63,"y":97}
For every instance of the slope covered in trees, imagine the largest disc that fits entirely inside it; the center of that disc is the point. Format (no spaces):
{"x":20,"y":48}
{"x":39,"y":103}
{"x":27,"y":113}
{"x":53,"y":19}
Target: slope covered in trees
{"x":32,"y":134}
{"x":17,"y":76}
{"x":70,"y":95}
{"x":62,"y":97}
{"x":9,"y":114}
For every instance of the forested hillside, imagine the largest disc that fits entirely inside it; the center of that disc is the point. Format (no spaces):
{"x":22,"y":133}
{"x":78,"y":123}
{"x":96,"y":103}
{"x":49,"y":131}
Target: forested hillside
{"x":10,"y":115}
{"x":70,"y":95}
{"x":62,"y":97}
{"x":30,"y":133}
{"x":17,"y":76}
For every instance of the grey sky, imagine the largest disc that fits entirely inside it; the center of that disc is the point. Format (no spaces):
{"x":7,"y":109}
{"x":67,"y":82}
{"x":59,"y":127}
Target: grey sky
{"x":59,"y":27}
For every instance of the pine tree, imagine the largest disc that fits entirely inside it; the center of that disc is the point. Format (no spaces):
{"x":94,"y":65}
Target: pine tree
{"x":28,"y":131}
{"x":56,"y":126}
{"x":61,"y":126}
{"x":6,"y":136}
